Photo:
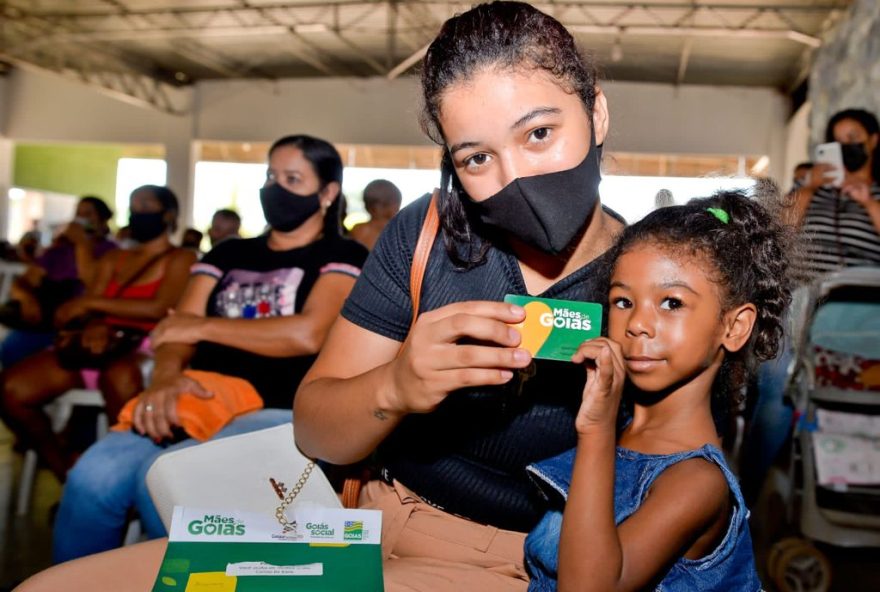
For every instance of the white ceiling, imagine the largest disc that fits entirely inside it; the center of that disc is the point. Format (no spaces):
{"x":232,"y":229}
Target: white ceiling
{"x":143,"y":48}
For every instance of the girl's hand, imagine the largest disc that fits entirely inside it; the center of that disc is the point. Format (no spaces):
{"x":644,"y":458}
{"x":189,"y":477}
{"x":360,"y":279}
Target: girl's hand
{"x":605,"y":377}
{"x":456,"y":346}
{"x":178,"y":328}
{"x":156,"y":410}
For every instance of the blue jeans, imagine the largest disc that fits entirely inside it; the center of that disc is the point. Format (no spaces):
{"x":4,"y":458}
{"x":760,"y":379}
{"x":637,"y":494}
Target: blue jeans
{"x":771,"y":421}
{"x":109,"y":480}
{"x":19,"y":345}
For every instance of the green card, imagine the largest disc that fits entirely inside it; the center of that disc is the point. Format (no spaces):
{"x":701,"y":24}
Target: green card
{"x":554,"y":329}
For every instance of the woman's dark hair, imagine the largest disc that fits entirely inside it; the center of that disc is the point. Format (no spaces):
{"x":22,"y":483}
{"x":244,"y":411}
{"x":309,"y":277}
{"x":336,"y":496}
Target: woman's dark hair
{"x":166,"y":198}
{"x":101,"y":208}
{"x":510,"y":35}
{"x":749,"y":262}
{"x":868,"y":121}
{"x":328,"y":166}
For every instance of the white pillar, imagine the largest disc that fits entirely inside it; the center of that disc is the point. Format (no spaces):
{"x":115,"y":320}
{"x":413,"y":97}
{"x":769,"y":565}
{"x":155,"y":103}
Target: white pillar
{"x":7,"y":151}
{"x":180,"y":158}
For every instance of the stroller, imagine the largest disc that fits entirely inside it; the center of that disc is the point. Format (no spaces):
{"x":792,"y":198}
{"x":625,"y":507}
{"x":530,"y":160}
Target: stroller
{"x":832,"y":492}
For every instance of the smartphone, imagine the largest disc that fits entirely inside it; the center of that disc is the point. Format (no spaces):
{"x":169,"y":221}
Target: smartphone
{"x":832,"y":155}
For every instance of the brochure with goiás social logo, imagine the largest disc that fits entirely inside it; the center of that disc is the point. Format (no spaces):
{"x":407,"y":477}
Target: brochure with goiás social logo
{"x":328,"y":549}
{"x":555,"y":329}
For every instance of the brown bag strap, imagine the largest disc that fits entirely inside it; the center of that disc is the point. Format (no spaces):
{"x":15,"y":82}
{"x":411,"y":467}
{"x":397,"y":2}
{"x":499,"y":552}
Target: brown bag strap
{"x":420,"y":256}
{"x":351,"y":489}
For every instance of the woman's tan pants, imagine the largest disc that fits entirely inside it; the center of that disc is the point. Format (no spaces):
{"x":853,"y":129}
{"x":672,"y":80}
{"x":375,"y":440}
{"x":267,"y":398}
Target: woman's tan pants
{"x":427,"y":550}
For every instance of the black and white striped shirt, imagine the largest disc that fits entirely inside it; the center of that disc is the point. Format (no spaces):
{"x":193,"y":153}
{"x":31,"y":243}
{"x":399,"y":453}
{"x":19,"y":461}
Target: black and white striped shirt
{"x":837,"y":232}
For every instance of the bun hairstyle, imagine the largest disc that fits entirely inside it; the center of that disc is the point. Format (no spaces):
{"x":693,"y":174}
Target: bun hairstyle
{"x":513,"y":36}
{"x":749,"y":260}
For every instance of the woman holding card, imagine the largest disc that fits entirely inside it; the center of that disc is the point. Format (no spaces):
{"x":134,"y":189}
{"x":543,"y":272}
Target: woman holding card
{"x":445,"y":403}
{"x":452,"y":406}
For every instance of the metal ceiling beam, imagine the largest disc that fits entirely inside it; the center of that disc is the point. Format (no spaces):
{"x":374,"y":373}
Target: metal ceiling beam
{"x":134,"y":89}
{"x":86,"y":29}
{"x":408,"y":63}
{"x":683,"y":60}
{"x":699,"y":32}
{"x":185,"y":8}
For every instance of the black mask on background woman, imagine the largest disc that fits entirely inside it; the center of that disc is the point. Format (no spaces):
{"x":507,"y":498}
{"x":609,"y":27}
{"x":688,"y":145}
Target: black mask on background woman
{"x":145,"y":226}
{"x":855,"y":156}
{"x":546,"y":211}
{"x":285,"y":210}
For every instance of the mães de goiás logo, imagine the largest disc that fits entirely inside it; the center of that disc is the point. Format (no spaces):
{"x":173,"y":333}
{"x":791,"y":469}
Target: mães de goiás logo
{"x":564,"y":318}
{"x":217,"y":525}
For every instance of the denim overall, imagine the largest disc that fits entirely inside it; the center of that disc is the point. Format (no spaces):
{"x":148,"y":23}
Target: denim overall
{"x":730,"y":567}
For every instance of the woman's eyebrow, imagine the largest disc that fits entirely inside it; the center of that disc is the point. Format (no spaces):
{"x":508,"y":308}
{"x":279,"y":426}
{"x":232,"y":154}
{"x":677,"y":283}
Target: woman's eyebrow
{"x":518,"y":124}
{"x":461,"y":146}
{"x":533,"y":114}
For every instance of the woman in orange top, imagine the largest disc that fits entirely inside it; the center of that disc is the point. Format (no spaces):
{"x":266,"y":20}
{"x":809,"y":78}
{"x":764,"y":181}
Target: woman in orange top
{"x":133,"y":289}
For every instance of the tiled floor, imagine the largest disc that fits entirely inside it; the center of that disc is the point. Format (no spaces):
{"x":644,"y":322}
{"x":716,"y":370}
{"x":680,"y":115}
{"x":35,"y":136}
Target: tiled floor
{"x":25,"y":542}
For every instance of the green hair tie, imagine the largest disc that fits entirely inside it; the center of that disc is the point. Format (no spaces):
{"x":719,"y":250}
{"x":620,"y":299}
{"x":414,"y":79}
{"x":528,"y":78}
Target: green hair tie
{"x":720,"y":214}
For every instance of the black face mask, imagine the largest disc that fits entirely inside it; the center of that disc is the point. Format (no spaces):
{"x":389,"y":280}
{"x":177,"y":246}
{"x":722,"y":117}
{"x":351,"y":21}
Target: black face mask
{"x":285,"y":210}
{"x":145,"y":226}
{"x":855,"y":156}
{"x":546,"y":211}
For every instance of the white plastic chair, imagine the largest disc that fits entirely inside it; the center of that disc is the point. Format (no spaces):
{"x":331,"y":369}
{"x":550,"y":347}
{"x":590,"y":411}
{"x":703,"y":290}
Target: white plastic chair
{"x":59,"y":412}
{"x":8,"y":272}
{"x":240,"y":472}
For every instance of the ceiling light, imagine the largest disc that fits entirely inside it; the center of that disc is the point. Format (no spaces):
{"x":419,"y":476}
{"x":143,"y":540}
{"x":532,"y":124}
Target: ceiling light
{"x":310,"y":28}
{"x":760,"y":167}
{"x":616,"y":51}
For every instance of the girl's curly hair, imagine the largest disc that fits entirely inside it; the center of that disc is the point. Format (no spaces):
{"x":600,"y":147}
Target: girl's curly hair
{"x":511,"y":36}
{"x":748,"y":256}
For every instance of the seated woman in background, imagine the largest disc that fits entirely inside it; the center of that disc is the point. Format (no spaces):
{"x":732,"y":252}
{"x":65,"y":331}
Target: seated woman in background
{"x":255,"y":309}
{"x":61,"y":273}
{"x":133,"y":290}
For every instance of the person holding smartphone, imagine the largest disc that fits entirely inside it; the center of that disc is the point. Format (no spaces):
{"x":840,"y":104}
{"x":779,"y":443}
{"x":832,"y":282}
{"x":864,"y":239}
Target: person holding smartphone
{"x":839,"y":215}
{"x":838,"y":218}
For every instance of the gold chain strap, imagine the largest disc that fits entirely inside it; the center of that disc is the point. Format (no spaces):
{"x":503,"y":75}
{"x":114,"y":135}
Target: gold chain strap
{"x":279,"y":512}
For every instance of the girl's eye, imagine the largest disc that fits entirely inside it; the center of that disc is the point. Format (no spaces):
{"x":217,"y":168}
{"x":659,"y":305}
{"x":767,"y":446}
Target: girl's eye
{"x":476,"y":161}
{"x":541,"y":134}
{"x":671,"y":304}
{"x":292,"y":180}
{"x":621,"y":303}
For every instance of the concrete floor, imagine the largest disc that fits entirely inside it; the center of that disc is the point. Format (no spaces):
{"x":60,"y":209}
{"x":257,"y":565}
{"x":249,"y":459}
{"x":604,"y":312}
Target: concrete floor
{"x":25,"y":543}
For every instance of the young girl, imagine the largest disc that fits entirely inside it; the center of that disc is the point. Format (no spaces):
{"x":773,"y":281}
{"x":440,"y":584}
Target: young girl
{"x":695,"y":302}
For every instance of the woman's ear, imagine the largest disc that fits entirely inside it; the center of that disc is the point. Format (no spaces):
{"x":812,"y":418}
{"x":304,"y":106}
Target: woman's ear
{"x":738,"y":324}
{"x":600,"y":117}
{"x":329,"y":193}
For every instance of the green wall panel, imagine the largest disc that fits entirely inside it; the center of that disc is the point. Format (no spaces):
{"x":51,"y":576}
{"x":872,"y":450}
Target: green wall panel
{"x":76,"y":169}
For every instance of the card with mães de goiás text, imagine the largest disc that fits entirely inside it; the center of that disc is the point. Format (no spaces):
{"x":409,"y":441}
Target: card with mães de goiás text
{"x":554,"y":329}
